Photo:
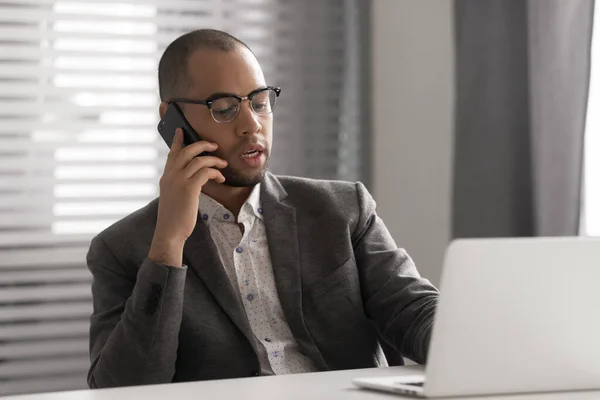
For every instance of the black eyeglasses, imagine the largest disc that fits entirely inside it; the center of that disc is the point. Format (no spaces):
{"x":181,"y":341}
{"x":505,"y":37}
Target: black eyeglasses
{"x":225,"y":107}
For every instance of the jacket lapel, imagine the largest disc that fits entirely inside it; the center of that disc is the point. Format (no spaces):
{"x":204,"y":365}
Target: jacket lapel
{"x":201,"y":255}
{"x":280,"y":222}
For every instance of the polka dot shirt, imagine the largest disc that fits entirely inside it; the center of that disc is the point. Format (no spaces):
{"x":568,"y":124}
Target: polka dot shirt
{"x":244,"y":252}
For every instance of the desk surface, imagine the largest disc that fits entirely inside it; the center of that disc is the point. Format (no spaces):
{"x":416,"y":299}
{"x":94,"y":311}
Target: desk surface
{"x":313,"y":386}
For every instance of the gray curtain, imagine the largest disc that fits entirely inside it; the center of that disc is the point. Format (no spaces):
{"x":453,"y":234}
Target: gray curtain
{"x":522,"y":70}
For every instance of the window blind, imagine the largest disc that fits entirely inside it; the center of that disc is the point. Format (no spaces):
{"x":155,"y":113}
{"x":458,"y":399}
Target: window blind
{"x":79,"y":147}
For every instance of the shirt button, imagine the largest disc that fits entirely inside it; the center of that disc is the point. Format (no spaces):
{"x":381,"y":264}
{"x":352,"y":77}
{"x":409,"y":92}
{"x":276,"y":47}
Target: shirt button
{"x":205,"y":217}
{"x":260,"y":210}
{"x":239,"y":250}
{"x":250,"y":297}
{"x":268,"y":340}
{"x":226,"y":216}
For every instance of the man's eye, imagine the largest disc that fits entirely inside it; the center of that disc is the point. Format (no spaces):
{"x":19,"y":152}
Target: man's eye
{"x":224,"y":111}
{"x":261,"y":106}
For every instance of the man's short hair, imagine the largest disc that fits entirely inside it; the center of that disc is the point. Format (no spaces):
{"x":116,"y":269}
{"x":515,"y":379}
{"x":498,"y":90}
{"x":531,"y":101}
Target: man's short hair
{"x":173,"y":79}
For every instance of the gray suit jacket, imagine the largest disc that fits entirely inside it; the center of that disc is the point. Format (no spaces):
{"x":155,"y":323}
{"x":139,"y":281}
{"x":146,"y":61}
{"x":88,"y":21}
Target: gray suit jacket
{"x":343,"y":283}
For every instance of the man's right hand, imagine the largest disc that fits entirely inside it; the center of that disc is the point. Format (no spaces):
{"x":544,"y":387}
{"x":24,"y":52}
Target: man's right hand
{"x":180,"y":187}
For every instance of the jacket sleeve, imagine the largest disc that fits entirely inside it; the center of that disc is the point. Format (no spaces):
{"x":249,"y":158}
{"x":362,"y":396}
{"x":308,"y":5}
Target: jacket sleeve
{"x":135,"y":322}
{"x":396,"y":298}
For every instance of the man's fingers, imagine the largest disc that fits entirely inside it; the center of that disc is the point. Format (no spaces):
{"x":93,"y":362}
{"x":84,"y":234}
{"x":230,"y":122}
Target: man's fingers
{"x":206,"y":174}
{"x":199,"y":163}
{"x":188,"y":153}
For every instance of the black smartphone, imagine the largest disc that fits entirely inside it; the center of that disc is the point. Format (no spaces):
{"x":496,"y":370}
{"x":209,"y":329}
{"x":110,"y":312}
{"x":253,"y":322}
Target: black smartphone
{"x":172,"y":120}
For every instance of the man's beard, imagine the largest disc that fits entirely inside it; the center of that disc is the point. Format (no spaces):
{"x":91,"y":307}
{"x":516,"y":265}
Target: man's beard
{"x":236,"y":179}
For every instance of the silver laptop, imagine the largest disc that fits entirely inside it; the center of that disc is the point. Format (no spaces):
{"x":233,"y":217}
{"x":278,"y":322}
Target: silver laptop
{"x":515,"y":316}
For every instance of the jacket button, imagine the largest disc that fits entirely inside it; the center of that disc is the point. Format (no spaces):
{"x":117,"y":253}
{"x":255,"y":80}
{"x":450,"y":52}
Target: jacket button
{"x":156,"y":290}
{"x":254,"y":373}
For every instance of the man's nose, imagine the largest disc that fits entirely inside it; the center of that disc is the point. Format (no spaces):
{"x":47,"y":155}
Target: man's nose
{"x":248,"y":122}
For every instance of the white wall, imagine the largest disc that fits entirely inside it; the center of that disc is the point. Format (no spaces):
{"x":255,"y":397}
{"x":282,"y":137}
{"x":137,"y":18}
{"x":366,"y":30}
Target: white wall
{"x":413,"y":97}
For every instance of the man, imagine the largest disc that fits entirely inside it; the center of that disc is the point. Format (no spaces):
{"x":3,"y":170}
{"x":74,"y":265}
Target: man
{"x":235,"y":272}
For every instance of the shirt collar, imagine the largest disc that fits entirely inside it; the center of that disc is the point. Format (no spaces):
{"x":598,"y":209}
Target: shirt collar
{"x":211,"y":209}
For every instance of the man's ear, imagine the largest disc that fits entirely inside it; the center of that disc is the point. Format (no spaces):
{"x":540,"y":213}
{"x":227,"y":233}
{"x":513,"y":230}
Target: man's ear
{"x":162,"y":109}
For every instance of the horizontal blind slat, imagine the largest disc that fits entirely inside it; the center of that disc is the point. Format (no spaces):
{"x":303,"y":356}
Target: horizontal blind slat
{"x":172,"y":4}
{"x":133,"y":143}
{"x":179,"y":20}
{"x":35,"y":162}
{"x":76,"y":291}
{"x":51,"y":257}
{"x":27,"y":182}
{"x":25,"y":127}
{"x":30,"y":368}
{"x":45,"y":312}
{"x":63,"y":108}
{"x":32,"y":202}
{"x":27,"y":221}
{"x":39,"y":239}
{"x":32,"y":90}
{"x":146,"y":40}
{"x":45,"y":276}
{"x":26,"y":53}
{"x":44,"y":330}
{"x":49,"y":348}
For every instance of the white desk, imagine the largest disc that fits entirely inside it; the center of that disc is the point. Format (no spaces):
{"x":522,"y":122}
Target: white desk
{"x":324,"y":385}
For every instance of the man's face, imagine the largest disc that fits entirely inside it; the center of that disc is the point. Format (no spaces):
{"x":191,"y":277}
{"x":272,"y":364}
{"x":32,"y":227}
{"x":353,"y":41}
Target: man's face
{"x":233,"y":72}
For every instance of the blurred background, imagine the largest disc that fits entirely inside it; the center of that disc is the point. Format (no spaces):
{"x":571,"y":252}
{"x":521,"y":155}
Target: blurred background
{"x":464,"y":118}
